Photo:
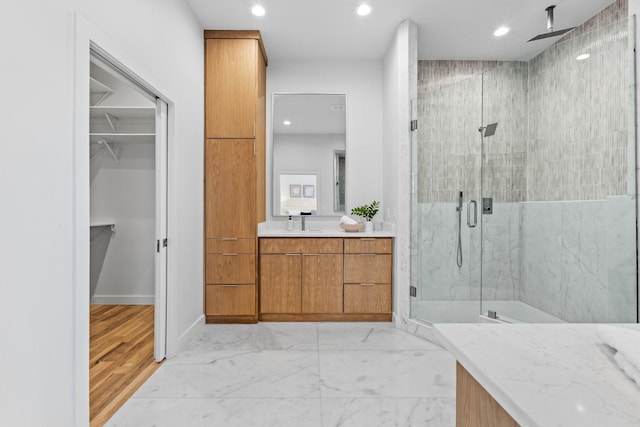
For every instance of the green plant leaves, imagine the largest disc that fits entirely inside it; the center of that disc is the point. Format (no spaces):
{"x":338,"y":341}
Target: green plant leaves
{"x":367,"y":211}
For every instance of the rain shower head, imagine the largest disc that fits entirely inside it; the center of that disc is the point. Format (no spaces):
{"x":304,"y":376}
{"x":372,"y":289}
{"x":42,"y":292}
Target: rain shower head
{"x":488,"y":130}
{"x":550,"y":32}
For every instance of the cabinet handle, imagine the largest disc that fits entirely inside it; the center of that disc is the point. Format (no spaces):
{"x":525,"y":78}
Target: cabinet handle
{"x":229,"y":254}
{"x":292,"y":254}
{"x":229,"y":286}
{"x":368,"y":239}
{"x":310,"y":254}
{"x":226,"y":239}
{"x":367,"y":284}
{"x":367,"y":254}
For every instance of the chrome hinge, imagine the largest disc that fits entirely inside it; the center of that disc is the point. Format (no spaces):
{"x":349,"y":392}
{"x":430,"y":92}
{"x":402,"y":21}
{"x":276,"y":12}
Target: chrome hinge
{"x":413,"y":291}
{"x":414,"y":124}
{"x":165,"y":242}
{"x":157,"y":246}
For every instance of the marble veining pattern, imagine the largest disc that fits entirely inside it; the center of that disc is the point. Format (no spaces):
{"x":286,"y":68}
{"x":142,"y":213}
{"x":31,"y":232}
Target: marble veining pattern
{"x":298,"y":374}
{"x":547,"y":375}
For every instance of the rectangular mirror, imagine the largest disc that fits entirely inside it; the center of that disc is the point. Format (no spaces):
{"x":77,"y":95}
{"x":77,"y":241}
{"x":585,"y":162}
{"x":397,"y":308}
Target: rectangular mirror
{"x":309,"y":146}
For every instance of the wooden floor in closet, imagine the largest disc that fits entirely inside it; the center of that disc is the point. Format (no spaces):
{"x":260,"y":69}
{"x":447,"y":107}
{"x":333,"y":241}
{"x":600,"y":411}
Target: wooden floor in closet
{"x":120,"y":356}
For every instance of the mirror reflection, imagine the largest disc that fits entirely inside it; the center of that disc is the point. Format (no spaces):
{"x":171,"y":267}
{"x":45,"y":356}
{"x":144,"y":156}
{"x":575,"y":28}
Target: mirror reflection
{"x":309,"y":145}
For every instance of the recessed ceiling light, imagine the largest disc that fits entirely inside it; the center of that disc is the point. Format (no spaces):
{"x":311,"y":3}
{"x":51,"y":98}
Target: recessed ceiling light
{"x":501,"y":31}
{"x":364,"y":9}
{"x":286,"y":123}
{"x":258,"y":10}
{"x":582,"y":57}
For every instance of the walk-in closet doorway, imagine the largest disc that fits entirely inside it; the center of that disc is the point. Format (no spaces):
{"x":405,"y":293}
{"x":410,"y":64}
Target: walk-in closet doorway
{"x":128,"y":191}
{"x":128,"y":233}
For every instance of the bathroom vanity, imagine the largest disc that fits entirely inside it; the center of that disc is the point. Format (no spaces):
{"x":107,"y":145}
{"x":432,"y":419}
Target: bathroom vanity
{"x":325,"y":275}
{"x":538,"y":375}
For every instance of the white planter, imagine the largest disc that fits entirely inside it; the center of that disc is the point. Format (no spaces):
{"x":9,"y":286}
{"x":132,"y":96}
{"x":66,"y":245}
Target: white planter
{"x":368,"y":226}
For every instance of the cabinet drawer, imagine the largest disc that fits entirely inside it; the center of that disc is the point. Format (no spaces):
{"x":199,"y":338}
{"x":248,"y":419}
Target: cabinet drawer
{"x":233,"y":246}
{"x":369,"y":245}
{"x":367,"y":298}
{"x":301,"y":246}
{"x":230,"y":300}
{"x":230,"y":269}
{"x":367,"y":268}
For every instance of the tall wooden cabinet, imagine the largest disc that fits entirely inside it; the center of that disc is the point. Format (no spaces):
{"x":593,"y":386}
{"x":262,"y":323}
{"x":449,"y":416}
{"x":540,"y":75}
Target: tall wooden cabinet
{"x":235,"y":95}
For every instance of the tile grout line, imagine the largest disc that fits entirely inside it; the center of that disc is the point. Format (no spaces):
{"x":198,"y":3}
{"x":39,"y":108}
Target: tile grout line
{"x":319,"y":377}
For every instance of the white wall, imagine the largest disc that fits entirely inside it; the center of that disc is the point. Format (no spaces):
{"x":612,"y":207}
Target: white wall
{"x":400,"y":87}
{"x":123,"y":194}
{"x":39,"y":368}
{"x":362,"y":82}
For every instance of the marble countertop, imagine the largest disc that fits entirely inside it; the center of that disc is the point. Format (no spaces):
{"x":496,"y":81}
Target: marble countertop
{"x":317,"y":228}
{"x":547,"y":374}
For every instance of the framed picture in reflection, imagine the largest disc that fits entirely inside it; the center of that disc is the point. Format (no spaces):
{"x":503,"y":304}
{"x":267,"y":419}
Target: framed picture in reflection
{"x":309,"y":191}
{"x":295,"y":191}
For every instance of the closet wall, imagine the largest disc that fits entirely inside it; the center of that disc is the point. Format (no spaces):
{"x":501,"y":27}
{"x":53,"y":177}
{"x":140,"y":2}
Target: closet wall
{"x":123,"y":194}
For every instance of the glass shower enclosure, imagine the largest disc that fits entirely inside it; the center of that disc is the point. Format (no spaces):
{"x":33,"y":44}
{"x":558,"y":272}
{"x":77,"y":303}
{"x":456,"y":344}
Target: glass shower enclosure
{"x":524,"y":198}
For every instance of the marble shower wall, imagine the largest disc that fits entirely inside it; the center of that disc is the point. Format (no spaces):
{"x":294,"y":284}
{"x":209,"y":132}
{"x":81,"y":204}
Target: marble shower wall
{"x":578,"y":259}
{"x":439,"y":277}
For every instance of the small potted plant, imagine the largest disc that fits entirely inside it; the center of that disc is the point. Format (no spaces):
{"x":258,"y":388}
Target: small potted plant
{"x":367,"y":212}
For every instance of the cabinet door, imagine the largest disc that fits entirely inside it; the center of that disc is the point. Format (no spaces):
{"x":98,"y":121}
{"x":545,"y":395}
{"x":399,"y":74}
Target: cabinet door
{"x":230,"y":268}
{"x":231,"y":88}
{"x":234,"y":300}
{"x":280,"y":283}
{"x":230,"y":188}
{"x":369,"y":245}
{"x":322,"y":283}
{"x":367,"y":298}
{"x":367,"y":268}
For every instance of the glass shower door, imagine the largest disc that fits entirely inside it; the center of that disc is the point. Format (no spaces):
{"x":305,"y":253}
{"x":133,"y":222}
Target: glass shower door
{"x":446,"y":174}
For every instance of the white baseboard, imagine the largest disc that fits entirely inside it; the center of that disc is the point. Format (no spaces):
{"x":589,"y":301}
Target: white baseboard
{"x":123,"y":299}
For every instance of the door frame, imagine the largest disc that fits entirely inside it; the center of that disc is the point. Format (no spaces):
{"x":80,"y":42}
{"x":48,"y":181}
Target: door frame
{"x":82,"y":36}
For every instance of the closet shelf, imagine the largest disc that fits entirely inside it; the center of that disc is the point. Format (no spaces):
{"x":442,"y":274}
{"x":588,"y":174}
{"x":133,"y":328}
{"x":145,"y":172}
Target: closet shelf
{"x":123,"y":113}
{"x":125,"y":138}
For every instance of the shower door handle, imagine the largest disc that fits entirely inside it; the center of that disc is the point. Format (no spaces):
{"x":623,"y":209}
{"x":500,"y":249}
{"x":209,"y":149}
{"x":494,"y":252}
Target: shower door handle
{"x":475,"y":213}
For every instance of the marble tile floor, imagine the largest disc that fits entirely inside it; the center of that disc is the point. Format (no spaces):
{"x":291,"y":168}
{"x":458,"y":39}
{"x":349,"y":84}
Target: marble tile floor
{"x":298,"y":374}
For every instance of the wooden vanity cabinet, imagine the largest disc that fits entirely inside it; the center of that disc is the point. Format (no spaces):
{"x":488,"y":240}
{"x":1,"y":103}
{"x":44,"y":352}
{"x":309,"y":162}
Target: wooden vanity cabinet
{"x":332,"y":279}
{"x":367,"y":275}
{"x":301,"y":276}
{"x":234,"y":199}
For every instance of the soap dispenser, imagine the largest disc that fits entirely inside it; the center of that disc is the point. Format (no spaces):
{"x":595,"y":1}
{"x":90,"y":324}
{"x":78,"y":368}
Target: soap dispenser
{"x":290,"y":223}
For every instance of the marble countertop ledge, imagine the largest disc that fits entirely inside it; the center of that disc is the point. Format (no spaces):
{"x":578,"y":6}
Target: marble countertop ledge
{"x":318,"y":228}
{"x":547,"y":374}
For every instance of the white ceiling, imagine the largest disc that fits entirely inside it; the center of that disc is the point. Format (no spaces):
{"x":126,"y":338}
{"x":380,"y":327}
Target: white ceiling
{"x":448,"y":29}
